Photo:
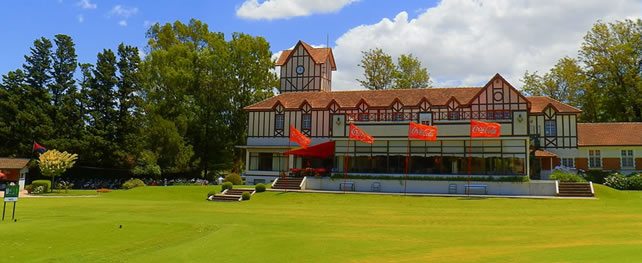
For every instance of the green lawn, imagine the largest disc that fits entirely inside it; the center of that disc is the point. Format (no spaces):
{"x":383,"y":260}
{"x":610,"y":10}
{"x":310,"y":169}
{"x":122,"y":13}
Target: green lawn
{"x":176,"y":224}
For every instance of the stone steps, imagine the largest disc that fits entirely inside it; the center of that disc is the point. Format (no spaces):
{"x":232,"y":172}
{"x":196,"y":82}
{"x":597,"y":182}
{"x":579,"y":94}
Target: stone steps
{"x":574,"y":190}
{"x":288,"y":183}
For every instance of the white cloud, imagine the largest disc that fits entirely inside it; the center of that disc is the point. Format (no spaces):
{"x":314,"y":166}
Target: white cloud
{"x":80,"y":18}
{"x":123,"y":11}
{"x":86,"y":4}
{"x":465,"y":42}
{"x":283,"y":9}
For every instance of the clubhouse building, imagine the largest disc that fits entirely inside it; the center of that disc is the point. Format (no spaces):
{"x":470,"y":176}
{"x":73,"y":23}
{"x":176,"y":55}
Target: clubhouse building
{"x":537,"y":133}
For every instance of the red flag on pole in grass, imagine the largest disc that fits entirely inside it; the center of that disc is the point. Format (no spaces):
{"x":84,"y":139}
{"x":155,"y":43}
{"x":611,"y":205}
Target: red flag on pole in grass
{"x":298,"y":137}
{"x":484,"y":129}
{"x":359,"y":135}
{"x":422,"y":132}
{"x":38,"y":148}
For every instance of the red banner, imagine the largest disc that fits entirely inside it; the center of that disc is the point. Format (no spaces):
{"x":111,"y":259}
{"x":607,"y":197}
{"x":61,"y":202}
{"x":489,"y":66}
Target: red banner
{"x":484,"y":129}
{"x":359,"y":135}
{"x":422,"y":132}
{"x":298,"y":137}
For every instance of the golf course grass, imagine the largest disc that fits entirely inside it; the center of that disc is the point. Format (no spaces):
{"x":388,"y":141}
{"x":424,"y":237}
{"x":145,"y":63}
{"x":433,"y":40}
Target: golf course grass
{"x":176,"y":224}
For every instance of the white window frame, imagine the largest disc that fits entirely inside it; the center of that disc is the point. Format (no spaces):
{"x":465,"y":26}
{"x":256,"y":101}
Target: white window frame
{"x":306,"y":121}
{"x":546,"y":128}
{"x":595,"y":159}
{"x":627,"y":154}
{"x":568,"y":162}
{"x":279,"y":122}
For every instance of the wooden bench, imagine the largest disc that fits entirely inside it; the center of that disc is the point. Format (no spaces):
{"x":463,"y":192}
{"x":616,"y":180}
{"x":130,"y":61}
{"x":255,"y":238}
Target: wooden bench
{"x":469,"y":187}
{"x":346,"y":186}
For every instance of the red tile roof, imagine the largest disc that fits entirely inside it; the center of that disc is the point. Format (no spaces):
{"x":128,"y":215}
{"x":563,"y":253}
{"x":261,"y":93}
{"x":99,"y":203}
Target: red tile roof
{"x":13,"y":163}
{"x":544,"y":153}
{"x":373,"y":98}
{"x":539,"y":103}
{"x":319,"y":55}
{"x":609,"y":134}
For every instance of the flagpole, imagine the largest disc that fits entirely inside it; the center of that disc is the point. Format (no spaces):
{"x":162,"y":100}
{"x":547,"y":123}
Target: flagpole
{"x":470,"y":158}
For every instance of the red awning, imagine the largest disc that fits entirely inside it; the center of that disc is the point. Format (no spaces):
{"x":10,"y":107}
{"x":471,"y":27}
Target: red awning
{"x":323,"y":150}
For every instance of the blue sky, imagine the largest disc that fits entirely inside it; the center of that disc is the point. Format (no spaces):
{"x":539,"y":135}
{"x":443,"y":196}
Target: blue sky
{"x":96,"y":28}
{"x":461,"y":42}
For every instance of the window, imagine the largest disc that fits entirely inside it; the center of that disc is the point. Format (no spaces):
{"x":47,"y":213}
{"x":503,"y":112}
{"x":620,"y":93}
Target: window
{"x":453,"y":115}
{"x":595,"y":161}
{"x":550,"y":128}
{"x":498,"y":115}
{"x":397,"y":116}
{"x":568,"y":162}
{"x":627,"y":159}
{"x":363,"y":117}
{"x":279,"y":122}
{"x":306,"y":122}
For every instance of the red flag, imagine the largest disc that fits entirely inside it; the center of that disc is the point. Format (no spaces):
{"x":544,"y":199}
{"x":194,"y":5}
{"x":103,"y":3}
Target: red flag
{"x":484,"y":129}
{"x":422,"y":132}
{"x":38,"y":148}
{"x":359,"y":135}
{"x":298,"y":137}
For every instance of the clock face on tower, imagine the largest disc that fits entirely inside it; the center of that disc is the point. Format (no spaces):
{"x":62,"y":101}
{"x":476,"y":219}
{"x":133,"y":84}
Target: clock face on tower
{"x":300,"y":69}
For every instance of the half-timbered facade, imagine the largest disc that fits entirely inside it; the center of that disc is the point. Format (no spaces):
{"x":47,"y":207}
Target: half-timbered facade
{"x":539,"y":125}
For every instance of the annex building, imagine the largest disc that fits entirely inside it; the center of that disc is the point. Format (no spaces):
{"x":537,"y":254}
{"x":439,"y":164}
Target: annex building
{"x":537,"y":133}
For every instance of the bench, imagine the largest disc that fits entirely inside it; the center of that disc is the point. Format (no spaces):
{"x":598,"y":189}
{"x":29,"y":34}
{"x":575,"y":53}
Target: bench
{"x":346,"y":186}
{"x":469,"y":187}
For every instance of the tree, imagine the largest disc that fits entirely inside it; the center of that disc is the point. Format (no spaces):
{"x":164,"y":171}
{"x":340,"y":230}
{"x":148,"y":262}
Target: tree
{"x":378,"y":69}
{"x":565,"y":82}
{"x":252,"y":65}
{"x":410,"y":74}
{"x":612,"y":55}
{"x":53,"y":163}
{"x":65,"y":108}
{"x":129,"y":102}
{"x":101,"y":106}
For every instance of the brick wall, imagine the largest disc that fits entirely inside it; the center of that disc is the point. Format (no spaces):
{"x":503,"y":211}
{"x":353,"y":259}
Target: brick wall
{"x":611,"y":163}
{"x":581,"y":163}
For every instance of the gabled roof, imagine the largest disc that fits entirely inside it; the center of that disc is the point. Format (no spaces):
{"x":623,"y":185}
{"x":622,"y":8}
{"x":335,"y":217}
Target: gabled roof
{"x":13,"y":163}
{"x":609,"y":134}
{"x":539,"y":104}
{"x":374,"y":98}
{"x":319,"y":55}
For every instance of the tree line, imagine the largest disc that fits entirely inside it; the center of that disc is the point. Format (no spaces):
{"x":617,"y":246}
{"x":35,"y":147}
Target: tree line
{"x":177,"y":110}
{"x":604,"y":80}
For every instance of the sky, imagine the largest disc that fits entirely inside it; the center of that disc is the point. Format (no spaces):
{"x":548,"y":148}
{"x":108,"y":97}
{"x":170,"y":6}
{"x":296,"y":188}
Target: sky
{"x":461,"y":42}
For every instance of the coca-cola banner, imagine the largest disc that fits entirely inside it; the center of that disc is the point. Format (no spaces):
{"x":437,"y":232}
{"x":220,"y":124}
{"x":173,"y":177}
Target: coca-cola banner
{"x":359,"y":135}
{"x":484,"y":129}
{"x":422,"y":132}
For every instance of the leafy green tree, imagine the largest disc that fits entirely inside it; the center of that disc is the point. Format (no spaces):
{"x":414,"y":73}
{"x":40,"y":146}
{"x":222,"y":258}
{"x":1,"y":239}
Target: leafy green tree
{"x":565,"y":82}
{"x":254,"y":81}
{"x":378,"y":70}
{"x":410,"y":74}
{"x":612,"y":55}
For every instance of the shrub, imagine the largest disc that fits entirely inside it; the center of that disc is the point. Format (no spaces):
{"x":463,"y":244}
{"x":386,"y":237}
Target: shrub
{"x":259,"y":188}
{"x":617,"y":181}
{"x":40,"y":189}
{"x":634,"y":182}
{"x":246,"y":196}
{"x":46,"y":185}
{"x":566,"y":177}
{"x":133,"y":183}
{"x":234,"y":178}
{"x":29,"y":188}
{"x":226,"y":185}
{"x":596,"y":176}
